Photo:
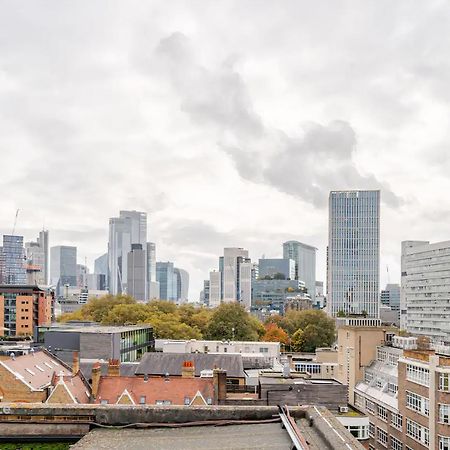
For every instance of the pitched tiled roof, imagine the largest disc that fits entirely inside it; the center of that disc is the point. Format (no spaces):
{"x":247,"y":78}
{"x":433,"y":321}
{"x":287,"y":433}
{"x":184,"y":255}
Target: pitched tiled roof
{"x":77,"y":387}
{"x":171,"y":363}
{"x":174,"y":390}
{"x":35,"y":369}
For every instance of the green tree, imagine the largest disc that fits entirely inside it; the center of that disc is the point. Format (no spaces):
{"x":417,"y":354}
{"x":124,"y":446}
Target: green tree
{"x":296,"y":340}
{"x":231,"y":321}
{"x":126,"y":314}
{"x":323,"y":324}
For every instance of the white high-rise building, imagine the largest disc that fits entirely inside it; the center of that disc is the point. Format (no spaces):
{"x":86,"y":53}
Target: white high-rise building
{"x":215,"y":288}
{"x":425,"y":289}
{"x":354,"y":253}
{"x":305,"y":263}
{"x":37,"y":254}
{"x":236,"y":279}
{"x":153,"y":285}
{"x":129,"y":228}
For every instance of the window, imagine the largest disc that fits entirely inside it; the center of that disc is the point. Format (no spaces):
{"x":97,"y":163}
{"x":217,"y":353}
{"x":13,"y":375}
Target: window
{"x":163,"y":402}
{"x":396,"y":444}
{"x":380,"y":383}
{"x":359,"y":400}
{"x":187,"y":401}
{"x":444,"y":413}
{"x":381,"y":355}
{"x":104,"y":402}
{"x":444,"y":381}
{"x":392,"y":388}
{"x":382,"y":437}
{"x":417,"y":403}
{"x":444,"y":443}
{"x":142,"y":399}
{"x":396,"y":421}
{"x":417,"y":432}
{"x":368,"y":376}
{"x":371,"y":429}
{"x":382,"y":413}
{"x":370,"y":406}
{"x":263,"y":350}
{"x":418,"y":375}
{"x":359,"y":431}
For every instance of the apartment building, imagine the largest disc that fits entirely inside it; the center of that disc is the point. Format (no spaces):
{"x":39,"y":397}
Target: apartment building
{"x":406,"y":393}
{"x":23,"y":308}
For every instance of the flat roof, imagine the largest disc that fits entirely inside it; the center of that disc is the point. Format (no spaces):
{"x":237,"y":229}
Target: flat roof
{"x":254,"y":436}
{"x":295,"y":380}
{"x":95,"y":328}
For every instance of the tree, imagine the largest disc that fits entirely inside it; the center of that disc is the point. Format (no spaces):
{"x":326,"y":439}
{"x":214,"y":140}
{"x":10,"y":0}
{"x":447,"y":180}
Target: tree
{"x":296,"y":340}
{"x":320,"y":323}
{"x":275,"y":334}
{"x":230,"y":321}
{"x":126,"y":314}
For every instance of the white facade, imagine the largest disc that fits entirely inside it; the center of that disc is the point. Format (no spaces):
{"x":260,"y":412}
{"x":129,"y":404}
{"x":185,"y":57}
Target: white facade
{"x":153,"y":285}
{"x":354,"y":252}
{"x":269,"y":349}
{"x":305,"y":263}
{"x":215,"y":291}
{"x":425,"y":288}
{"x":232,"y":257}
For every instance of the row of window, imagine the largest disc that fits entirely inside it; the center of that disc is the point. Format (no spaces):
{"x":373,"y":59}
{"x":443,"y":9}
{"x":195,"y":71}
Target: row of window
{"x":418,"y":375}
{"x":417,"y":432}
{"x":417,"y":403}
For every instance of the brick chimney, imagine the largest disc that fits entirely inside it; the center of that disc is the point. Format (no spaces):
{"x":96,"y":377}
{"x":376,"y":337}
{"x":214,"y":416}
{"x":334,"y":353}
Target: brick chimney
{"x":76,"y":363}
{"x":188,"y":369}
{"x":220,"y":386}
{"x":95,"y":376}
{"x":113,"y":368}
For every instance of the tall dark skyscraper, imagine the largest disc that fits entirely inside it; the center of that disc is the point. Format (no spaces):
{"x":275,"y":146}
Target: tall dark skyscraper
{"x":63,"y":267}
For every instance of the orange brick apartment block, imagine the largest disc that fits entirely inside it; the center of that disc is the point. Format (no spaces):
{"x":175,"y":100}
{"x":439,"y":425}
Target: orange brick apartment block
{"x":22,"y":308}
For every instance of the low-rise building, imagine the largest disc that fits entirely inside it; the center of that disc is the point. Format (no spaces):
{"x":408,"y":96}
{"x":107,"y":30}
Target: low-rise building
{"x":39,"y":377}
{"x":268,"y":352}
{"x":186,"y":390}
{"x":170,"y":364}
{"x":22,"y":308}
{"x":93,"y":341}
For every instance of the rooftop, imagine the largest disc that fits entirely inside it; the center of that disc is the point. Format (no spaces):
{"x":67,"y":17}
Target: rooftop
{"x":175,"y":390}
{"x":171,"y":363}
{"x":35,"y":369}
{"x":94,"y":328}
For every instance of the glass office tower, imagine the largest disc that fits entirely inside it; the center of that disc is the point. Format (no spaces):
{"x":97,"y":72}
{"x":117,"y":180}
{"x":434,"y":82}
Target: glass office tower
{"x":354,"y":253}
{"x":12,"y":262}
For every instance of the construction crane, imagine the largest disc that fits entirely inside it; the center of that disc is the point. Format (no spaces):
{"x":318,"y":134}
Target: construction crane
{"x":15,"y":222}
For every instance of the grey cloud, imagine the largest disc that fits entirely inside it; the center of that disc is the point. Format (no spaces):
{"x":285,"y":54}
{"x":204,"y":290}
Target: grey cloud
{"x":307,"y":167}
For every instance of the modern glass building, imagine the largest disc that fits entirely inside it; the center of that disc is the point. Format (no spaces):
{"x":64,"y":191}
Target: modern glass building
{"x":354,"y":253}
{"x":167,"y":280}
{"x":182,"y":278}
{"x":305,"y":263}
{"x":129,"y":228}
{"x":275,"y":267}
{"x":12,"y":263}
{"x":63,"y":267}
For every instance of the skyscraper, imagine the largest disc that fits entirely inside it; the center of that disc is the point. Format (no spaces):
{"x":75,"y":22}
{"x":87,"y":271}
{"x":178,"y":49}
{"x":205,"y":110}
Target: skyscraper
{"x":305,"y":263}
{"x":354,"y":252}
{"x":215,"y":288}
{"x":129,"y":228}
{"x":153,"y":284}
{"x":136,"y":281}
{"x":276,"y":267}
{"x":101,"y":265}
{"x":182,"y":277}
{"x":12,"y":262}
{"x":37,"y":254}
{"x":237,"y":276}
{"x":63,"y":267}
{"x":167,"y":280}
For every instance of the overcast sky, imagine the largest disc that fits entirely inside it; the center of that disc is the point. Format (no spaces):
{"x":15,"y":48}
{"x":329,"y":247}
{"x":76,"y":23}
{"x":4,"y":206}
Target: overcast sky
{"x":227,"y":121}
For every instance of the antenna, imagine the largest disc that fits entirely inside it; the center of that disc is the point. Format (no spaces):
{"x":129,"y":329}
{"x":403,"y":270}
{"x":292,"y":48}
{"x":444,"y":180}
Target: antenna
{"x":15,"y":222}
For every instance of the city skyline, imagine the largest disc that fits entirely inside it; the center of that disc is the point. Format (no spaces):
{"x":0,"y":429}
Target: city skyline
{"x":244,"y":148}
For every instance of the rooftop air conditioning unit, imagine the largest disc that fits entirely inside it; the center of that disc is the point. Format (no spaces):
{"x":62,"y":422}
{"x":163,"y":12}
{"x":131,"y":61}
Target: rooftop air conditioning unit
{"x":343,"y":409}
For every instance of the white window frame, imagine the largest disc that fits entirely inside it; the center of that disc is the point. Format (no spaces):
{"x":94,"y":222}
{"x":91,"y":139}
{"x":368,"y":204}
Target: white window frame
{"x":397,"y":421}
{"x":444,"y":382}
{"x":382,"y":437}
{"x":417,"y":432}
{"x":444,"y":443}
{"x":396,"y":444}
{"x":417,"y":403}
{"x":444,"y":413}
{"x":418,"y":375}
{"x":382,"y":413}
